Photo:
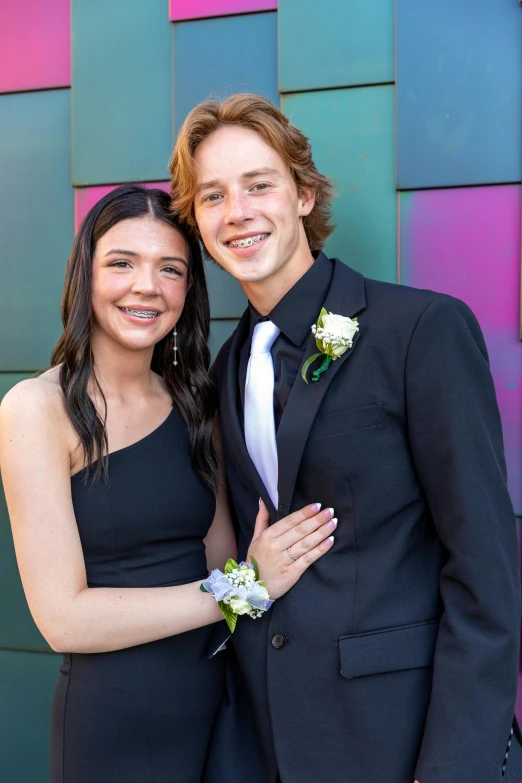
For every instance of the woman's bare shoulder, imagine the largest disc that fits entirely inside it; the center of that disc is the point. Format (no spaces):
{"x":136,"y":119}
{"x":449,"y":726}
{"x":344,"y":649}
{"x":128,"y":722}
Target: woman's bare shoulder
{"x":38,"y":396}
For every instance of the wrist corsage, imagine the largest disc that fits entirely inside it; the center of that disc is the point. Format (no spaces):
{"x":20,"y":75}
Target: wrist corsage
{"x":238,"y":591}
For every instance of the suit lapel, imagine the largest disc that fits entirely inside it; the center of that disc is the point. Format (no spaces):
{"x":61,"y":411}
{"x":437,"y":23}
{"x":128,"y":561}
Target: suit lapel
{"x":346,"y":296}
{"x":230,"y":418}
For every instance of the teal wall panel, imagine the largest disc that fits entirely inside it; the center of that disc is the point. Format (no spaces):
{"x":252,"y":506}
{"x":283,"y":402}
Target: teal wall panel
{"x":220,"y":331}
{"x":222,"y":56}
{"x":352,"y":137}
{"x":227,"y":299}
{"x":121,"y":70}
{"x":335,"y":43}
{"x":36,"y":223}
{"x":27,"y":684}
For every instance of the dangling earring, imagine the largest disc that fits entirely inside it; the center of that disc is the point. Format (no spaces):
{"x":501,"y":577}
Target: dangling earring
{"x":175,"y":362}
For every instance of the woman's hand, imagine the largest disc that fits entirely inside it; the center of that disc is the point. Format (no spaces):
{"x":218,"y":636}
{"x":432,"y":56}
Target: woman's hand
{"x":284,"y":550}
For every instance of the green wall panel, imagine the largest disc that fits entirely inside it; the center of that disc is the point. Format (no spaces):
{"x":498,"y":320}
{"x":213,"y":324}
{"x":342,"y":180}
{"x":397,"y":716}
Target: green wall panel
{"x":36,"y":223}
{"x":222,"y":56}
{"x":9,"y":379}
{"x":352,"y":137}
{"x":26,"y":689}
{"x":227,"y":299}
{"x":121,"y":119}
{"x":219,"y":332}
{"x":337,"y":43}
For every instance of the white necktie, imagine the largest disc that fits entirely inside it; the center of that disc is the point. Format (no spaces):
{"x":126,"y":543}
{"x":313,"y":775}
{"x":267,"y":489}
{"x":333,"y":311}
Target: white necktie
{"x":260,"y":436}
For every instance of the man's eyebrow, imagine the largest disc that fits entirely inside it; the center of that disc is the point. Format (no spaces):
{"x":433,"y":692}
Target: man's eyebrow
{"x":213,"y":183}
{"x":258,"y":172}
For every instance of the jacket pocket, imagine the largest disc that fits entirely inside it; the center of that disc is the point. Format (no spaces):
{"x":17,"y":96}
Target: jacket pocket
{"x":346,"y":421}
{"x":388,"y":650}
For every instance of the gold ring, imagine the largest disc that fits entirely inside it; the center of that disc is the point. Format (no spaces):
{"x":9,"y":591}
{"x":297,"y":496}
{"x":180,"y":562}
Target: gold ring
{"x":289,"y":552}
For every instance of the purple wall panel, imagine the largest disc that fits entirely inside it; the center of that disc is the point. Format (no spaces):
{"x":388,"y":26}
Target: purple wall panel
{"x":85,"y":198}
{"x":35,"y":48}
{"x":466,"y":242}
{"x":197,"y":9}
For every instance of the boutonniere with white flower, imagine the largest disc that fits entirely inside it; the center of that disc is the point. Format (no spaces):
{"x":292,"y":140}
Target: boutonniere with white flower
{"x":333,"y":336}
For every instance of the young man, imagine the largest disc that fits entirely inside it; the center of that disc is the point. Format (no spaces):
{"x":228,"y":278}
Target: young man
{"x":395,"y":656}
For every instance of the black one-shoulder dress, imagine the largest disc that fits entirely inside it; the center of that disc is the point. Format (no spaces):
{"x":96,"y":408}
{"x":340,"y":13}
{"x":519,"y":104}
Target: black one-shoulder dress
{"x":144,"y":714}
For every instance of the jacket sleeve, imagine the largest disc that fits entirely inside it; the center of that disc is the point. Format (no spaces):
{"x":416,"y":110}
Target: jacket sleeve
{"x":456,"y":441}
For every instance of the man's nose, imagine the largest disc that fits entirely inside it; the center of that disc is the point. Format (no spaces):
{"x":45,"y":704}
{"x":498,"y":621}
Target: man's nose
{"x":238,"y":208}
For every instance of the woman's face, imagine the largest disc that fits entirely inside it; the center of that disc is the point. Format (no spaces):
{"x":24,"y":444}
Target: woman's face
{"x":139,"y":282}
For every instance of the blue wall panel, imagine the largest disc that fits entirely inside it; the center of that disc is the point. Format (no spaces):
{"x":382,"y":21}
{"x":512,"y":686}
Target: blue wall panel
{"x":220,"y":331}
{"x":351,"y":132}
{"x":227,"y":299}
{"x":335,"y":43}
{"x":222,"y":56}
{"x":36,"y":223}
{"x":121,"y":70}
{"x":26,"y":690}
{"x":459,"y":92}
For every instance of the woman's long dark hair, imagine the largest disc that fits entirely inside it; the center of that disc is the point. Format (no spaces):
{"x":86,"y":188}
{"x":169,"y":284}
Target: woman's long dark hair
{"x":188,"y":383}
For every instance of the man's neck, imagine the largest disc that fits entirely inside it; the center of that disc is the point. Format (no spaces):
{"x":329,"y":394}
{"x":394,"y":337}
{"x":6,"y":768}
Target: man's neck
{"x":264,"y":296}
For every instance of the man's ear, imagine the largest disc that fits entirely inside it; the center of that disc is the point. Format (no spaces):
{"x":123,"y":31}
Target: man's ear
{"x":306,"y":201}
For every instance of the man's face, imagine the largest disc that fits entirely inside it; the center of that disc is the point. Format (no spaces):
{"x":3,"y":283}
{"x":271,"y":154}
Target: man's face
{"x":248,"y":209}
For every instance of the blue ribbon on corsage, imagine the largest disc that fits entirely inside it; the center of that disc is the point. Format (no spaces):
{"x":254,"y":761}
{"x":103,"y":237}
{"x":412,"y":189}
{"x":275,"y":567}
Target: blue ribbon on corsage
{"x":238,"y":591}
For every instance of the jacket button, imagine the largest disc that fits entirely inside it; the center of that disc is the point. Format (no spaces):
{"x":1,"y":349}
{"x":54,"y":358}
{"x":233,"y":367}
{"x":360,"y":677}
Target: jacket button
{"x":278,"y":640}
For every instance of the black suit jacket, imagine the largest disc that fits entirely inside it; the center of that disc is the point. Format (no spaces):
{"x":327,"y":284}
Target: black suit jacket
{"x":400,"y":651}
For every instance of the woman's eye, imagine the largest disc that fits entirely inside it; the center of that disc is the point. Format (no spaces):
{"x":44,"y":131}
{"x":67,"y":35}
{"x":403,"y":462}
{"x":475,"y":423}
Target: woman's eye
{"x":172,"y":270}
{"x":121,"y":264}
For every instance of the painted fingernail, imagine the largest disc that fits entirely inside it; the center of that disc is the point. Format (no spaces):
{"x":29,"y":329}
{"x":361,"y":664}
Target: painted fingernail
{"x":315,"y":507}
{"x":332,"y":524}
{"x":328,"y":512}
{"x":331,"y":539}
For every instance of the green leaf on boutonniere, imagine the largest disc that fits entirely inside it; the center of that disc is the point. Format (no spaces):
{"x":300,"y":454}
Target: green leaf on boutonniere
{"x":203,"y":588}
{"x":230,"y":565}
{"x":307,"y":364}
{"x":229,"y":615}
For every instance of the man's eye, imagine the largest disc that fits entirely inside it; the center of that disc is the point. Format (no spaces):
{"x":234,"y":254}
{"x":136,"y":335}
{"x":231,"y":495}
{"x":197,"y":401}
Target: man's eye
{"x":261,"y":186}
{"x":213,"y":197}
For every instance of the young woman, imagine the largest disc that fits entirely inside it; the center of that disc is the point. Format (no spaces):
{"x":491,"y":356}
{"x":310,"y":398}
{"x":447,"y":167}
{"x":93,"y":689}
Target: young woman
{"x":118,"y":507}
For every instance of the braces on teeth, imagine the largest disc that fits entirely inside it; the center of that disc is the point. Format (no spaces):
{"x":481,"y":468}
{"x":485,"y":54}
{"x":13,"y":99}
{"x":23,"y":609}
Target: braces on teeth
{"x":248,"y":242}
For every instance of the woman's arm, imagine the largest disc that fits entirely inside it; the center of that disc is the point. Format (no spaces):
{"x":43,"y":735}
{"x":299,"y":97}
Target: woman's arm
{"x":35,"y":464}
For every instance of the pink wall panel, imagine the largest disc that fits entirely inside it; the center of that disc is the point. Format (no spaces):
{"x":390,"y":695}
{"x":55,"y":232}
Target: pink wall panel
{"x":466,"y":242}
{"x":35,"y":48}
{"x":196,"y":9}
{"x":85,"y":198}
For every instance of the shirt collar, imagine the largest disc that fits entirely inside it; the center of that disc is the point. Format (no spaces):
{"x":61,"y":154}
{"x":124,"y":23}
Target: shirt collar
{"x":295,"y":313}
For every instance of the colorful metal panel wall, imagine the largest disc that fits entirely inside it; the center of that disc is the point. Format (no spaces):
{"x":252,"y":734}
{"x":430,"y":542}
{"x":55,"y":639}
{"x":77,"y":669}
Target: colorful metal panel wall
{"x":139,"y":67}
{"x":35,"y":45}
{"x":352,"y":138}
{"x":181,"y":10}
{"x":459,"y":93}
{"x":223,"y":50}
{"x":340,"y":43}
{"x":466,"y":242}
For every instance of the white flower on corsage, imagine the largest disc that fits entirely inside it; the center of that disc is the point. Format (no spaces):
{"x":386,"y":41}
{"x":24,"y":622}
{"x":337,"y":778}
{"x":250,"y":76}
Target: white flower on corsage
{"x":238,"y":591}
{"x":333,"y":336}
